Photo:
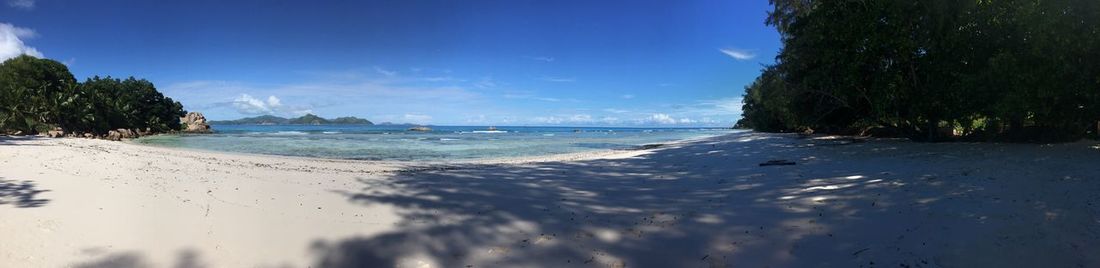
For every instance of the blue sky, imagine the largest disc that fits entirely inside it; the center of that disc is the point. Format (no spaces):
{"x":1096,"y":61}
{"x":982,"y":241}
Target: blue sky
{"x":618,"y":63}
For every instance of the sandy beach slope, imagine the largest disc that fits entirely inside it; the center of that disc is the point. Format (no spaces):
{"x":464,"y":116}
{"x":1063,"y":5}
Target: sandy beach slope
{"x":704,"y":203}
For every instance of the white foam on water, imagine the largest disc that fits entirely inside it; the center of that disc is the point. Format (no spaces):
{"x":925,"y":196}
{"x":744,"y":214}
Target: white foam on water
{"x":289,"y":133}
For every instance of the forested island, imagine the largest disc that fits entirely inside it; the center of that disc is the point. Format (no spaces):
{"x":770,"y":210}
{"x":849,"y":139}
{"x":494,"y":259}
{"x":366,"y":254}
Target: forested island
{"x":41,"y":95}
{"x":308,"y":119}
{"x":932,"y":70}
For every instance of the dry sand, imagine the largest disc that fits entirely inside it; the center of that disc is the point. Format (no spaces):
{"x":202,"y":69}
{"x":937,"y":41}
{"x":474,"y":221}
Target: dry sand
{"x":702,"y":203}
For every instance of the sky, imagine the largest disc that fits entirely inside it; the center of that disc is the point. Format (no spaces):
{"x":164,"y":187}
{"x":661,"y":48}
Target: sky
{"x":507,"y":62}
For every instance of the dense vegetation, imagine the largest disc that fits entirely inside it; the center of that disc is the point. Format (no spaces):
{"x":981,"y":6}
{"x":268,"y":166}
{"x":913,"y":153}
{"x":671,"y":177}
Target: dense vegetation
{"x":308,"y":119}
{"x":1020,"y":70}
{"x":37,"y":95}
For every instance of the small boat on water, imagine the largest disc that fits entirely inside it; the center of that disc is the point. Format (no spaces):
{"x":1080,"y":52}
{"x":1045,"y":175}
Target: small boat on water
{"x":420,"y":129}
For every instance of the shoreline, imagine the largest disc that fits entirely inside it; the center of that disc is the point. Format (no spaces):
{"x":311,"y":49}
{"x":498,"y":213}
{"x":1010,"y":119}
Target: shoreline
{"x":552,"y":157}
{"x":703,"y":202}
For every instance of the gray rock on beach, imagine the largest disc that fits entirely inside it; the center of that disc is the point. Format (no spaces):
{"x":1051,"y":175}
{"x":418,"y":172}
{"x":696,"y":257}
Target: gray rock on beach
{"x":195,"y":122}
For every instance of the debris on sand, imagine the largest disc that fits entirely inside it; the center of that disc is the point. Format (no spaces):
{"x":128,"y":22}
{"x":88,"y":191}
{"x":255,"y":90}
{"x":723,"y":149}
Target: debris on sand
{"x":777,"y":162}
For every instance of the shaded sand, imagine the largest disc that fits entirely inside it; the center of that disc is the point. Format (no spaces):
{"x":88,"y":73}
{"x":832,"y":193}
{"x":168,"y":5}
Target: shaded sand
{"x":703,"y":203}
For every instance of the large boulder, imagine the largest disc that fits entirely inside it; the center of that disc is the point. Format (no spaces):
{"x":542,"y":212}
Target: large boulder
{"x":56,"y":133}
{"x":126,"y":133}
{"x":195,"y":123}
{"x":113,"y":135}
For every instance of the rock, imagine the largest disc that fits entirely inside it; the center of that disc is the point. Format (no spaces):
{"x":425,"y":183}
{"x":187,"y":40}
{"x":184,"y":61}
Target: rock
{"x":421,"y":129}
{"x":113,"y":135}
{"x":126,"y":133}
{"x":56,"y":133}
{"x":195,"y":123}
{"x":89,"y":135}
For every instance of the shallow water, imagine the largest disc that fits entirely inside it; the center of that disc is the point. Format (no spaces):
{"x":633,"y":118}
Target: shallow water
{"x":442,"y":143}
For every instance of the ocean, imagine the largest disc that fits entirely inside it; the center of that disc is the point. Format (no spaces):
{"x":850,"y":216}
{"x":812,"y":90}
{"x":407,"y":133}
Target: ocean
{"x":441,"y":143}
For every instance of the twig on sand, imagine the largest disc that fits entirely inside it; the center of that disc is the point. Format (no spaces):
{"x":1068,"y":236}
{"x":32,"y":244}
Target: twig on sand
{"x":859,"y":251}
{"x":778,"y":162}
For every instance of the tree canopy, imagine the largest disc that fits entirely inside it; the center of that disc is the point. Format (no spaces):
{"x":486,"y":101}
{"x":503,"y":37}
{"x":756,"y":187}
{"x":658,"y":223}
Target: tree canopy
{"x":41,"y":94}
{"x":1019,"y":70}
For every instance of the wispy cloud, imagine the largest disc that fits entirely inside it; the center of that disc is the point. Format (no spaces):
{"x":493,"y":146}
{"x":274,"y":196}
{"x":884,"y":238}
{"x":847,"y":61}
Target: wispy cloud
{"x":575,"y":119}
{"x":558,"y":79}
{"x":22,"y":4}
{"x":538,"y":58}
{"x":738,"y":54}
{"x":529,"y":95}
{"x":365,"y":98}
{"x":627,"y":96}
{"x":11,"y":42}
{"x":385,"y":72}
{"x":417,"y":118}
{"x":485,"y":82}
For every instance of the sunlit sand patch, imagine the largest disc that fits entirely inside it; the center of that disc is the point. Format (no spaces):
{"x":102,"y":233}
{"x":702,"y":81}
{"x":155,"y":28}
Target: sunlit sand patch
{"x":709,"y":219}
{"x":419,"y":260}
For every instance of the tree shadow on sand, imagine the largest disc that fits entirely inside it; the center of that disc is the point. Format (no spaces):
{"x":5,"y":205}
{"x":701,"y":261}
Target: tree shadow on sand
{"x":20,"y":194}
{"x":185,"y":259}
{"x":701,"y":204}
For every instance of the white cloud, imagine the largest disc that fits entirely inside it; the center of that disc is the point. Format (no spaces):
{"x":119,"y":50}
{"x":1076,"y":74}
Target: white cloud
{"x":558,"y":79}
{"x":615,"y":111}
{"x":21,"y":4}
{"x":738,"y":54}
{"x":385,"y":72}
{"x":580,"y":119}
{"x":544,"y":59}
{"x":627,"y":96}
{"x":531,"y":95}
{"x":246,"y":104}
{"x":664,"y":119}
{"x":11,"y":42}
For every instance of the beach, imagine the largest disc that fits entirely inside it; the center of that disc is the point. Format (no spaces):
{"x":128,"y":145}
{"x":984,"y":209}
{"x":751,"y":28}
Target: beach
{"x":698,"y":203}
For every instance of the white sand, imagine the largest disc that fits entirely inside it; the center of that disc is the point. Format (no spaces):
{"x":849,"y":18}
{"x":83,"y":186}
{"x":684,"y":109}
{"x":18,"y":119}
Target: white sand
{"x":882,"y":203}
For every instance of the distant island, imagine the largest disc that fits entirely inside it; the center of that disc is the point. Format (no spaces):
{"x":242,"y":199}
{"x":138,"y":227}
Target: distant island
{"x":308,"y":119}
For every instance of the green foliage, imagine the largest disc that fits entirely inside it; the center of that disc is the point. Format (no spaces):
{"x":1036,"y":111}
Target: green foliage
{"x":38,"y":94}
{"x":309,"y":119}
{"x":933,"y":69}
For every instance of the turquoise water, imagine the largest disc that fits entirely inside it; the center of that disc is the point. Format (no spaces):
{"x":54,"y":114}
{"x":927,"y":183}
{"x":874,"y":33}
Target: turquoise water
{"x":442,"y":143}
